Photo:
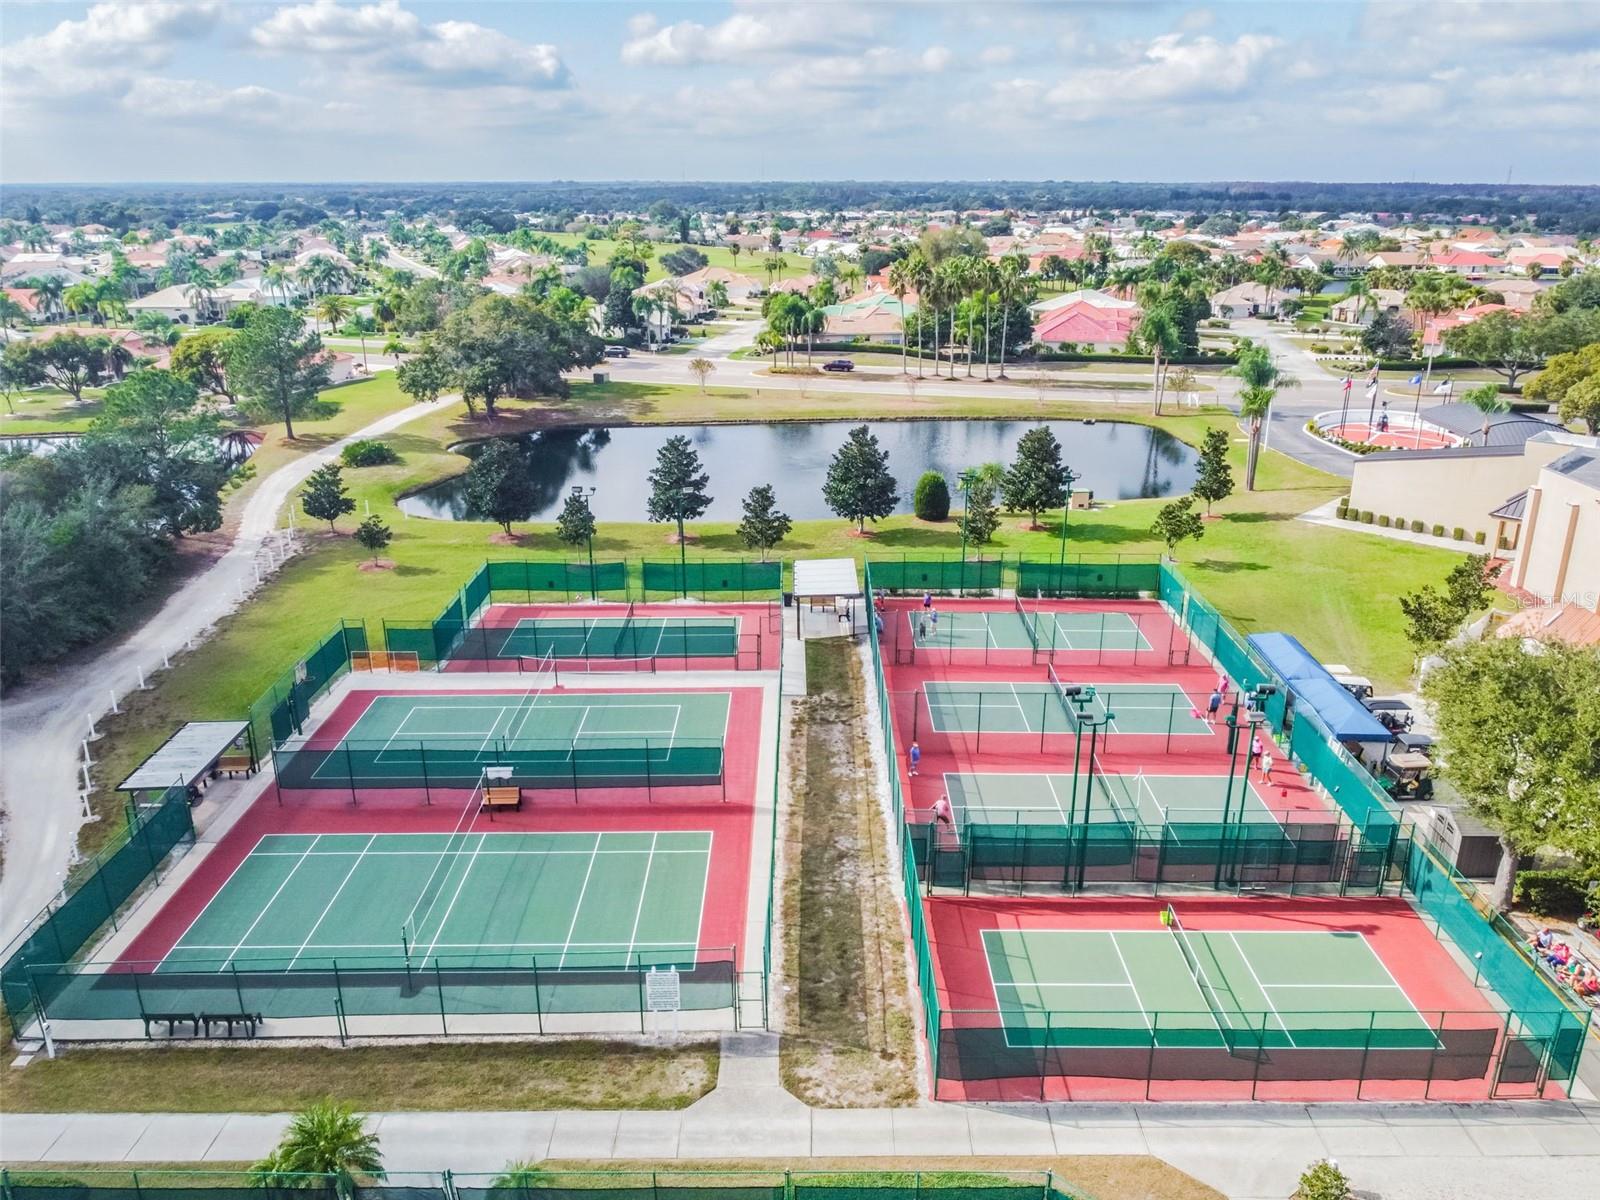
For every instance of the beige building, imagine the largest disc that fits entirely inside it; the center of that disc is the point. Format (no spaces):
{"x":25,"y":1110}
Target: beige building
{"x":1559,"y":559}
{"x":1537,"y":503}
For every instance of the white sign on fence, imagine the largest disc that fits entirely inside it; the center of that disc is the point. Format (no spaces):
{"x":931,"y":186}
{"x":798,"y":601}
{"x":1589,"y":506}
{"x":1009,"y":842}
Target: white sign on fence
{"x":663,"y":991}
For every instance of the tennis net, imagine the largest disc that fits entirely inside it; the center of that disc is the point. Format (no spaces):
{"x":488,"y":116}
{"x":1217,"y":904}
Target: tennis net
{"x":1097,"y":770}
{"x":1027,"y":622}
{"x":1061,"y":694}
{"x":1208,"y":993}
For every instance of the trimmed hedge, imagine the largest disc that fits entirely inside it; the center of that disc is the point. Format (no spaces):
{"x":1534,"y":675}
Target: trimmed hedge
{"x":1560,"y":892}
{"x":1438,"y":531}
{"x":1383,"y":520}
{"x":1458,"y":533}
{"x":931,"y":499}
{"x":367,"y":453}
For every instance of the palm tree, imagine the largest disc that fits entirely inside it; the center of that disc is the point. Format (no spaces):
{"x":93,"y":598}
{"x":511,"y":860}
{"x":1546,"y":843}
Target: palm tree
{"x":717,"y":294}
{"x":1488,"y":401}
{"x":850,"y":275}
{"x":901,"y":282}
{"x":326,"y":1138}
{"x":10,"y":311}
{"x":276,"y":280}
{"x":47,"y":291}
{"x":734,"y":250}
{"x":1262,"y":379}
{"x":333,"y":311}
{"x":1271,"y":273}
{"x":199,"y":291}
{"x":1158,"y":332}
{"x":1009,"y":283}
{"x":79,"y":299}
{"x":919,"y":272}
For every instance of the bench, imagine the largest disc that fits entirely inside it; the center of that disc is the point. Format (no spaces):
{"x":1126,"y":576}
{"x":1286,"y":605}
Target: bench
{"x":235,"y":761}
{"x":172,"y":1020}
{"x":503,"y":796}
{"x":230,"y":1019}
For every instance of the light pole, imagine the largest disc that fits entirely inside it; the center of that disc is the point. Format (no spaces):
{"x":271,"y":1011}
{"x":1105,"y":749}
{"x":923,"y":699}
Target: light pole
{"x":1065,"y":508}
{"x":1095,"y":725}
{"x":964,"y":485}
{"x":1255,"y":717}
{"x":586,"y":494}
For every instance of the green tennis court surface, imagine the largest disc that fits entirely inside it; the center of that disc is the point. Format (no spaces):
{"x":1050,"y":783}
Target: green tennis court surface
{"x":1066,"y":631}
{"x":614,"y":737}
{"x":1161,"y":708}
{"x":1247,"y":989}
{"x":1026,"y":799}
{"x":303,"y":901}
{"x":615,"y":637}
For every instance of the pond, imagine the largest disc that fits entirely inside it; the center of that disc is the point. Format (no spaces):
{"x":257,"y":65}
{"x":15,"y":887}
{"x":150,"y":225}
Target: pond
{"x":1117,"y":460}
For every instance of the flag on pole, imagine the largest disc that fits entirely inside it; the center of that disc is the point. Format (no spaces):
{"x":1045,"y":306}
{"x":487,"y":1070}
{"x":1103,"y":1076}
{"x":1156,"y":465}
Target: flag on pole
{"x":1443,"y":389}
{"x":1417,"y":378}
{"x":1347,"y":385}
{"x":1372,"y":376}
{"x":1372,"y":391}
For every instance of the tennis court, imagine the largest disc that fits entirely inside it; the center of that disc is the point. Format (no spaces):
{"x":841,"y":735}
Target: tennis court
{"x":448,"y":739}
{"x":1020,"y":629}
{"x":1246,"y":989}
{"x":1030,"y":707}
{"x":615,"y":637}
{"x":469,"y":899}
{"x":1020,"y":798}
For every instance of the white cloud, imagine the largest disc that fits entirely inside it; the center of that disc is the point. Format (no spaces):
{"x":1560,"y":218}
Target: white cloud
{"x":935,"y":59}
{"x":387,"y":38}
{"x":1169,"y":69}
{"x":1447,"y":26}
{"x":101,"y":52}
{"x":194,"y":99}
{"x":753,"y":32}
{"x":996,"y":56}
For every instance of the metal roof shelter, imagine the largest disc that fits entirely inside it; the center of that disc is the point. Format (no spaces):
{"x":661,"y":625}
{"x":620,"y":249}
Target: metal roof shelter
{"x":189,"y":754}
{"x":1345,"y":716}
{"x":815,"y":578}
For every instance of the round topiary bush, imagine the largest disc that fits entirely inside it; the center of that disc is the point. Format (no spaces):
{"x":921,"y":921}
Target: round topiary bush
{"x":367,"y":453}
{"x":931,"y":499}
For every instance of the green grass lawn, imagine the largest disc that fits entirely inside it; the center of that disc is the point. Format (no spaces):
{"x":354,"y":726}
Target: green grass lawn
{"x":601,"y":249}
{"x":49,"y":411}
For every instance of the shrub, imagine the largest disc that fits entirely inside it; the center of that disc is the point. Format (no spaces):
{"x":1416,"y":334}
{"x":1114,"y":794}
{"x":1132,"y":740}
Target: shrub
{"x":931,"y":499}
{"x":1320,"y":347}
{"x":1399,"y":522}
{"x":1479,"y":537}
{"x":1341,"y":510}
{"x":367,"y":453}
{"x":1458,"y":533}
{"x":1438,"y":531}
{"x":1383,"y":520}
{"x":1559,"y":892}
{"x":1366,"y":517}
{"x":1416,"y":527}
{"x":1322,"y":1181}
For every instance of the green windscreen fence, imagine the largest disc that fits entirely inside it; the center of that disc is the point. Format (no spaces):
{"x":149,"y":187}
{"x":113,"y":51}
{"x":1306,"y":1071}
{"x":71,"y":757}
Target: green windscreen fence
{"x":938,"y":574}
{"x":519,"y":1182}
{"x":280,"y":712}
{"x":60,"y":932}
{"x":558,"y":577}
{"x":1077,"y":578}
{"x":712,"y":577}
{"x":1545,"y":1015}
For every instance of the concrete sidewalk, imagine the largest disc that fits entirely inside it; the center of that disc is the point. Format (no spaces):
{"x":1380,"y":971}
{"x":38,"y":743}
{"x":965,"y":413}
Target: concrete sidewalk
{"x":1248,"y":1151}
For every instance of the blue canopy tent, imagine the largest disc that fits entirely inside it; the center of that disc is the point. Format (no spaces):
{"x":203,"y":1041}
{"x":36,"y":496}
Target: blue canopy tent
{"x":1345,"y":716}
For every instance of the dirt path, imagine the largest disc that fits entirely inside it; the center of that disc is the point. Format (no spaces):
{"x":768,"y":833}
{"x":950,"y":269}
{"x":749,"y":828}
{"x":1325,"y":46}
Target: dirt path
{"x":42,"y":725}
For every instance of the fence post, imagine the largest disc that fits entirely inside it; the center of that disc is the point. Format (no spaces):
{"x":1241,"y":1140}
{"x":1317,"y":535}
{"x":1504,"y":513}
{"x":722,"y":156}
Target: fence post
{"x":238,"y":990}
{"x":538,"y":1005}
{"x":438,"y":982}
{"x":350,"y":773}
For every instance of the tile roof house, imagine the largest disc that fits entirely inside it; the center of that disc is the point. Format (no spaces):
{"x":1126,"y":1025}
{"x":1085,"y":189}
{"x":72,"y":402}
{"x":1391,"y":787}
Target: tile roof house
{"x":878,"y":316}
{"x":1090,"y":296}
{"x":1088,"y":326}
{"x":1472,"y":263}
{"x":740,"y":286}
{"x":1351,"y":311}
{"x":1246,"y":300}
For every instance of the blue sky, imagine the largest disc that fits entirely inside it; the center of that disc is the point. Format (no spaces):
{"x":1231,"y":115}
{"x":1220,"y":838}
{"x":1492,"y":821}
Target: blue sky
{"x":903,"y":89}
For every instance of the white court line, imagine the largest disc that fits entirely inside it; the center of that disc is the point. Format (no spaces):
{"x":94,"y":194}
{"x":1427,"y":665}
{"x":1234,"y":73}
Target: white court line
{"x":461,"y":883}
{"x":578,"y":907}
{"x":239,"y":866}
{"x":483,"y":853}
{"x":328,"y":907}
{"x":644,"y":886}
{"x":1128,"y":975}
{"x":388,"y":947}
{"x":267,"y":905}
{"x":1265,"y":995}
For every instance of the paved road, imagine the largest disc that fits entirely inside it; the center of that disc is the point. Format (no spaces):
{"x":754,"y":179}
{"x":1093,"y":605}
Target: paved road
{"x":42,"y":725}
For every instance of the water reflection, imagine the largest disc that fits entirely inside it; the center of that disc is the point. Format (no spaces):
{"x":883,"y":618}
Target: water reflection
{"x":1117,"y":460}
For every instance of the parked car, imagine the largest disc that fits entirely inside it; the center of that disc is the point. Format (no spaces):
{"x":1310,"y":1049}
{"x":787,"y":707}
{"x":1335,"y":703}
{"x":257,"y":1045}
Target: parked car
{"x":839,"y":364}
{"x":616,"y":352}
